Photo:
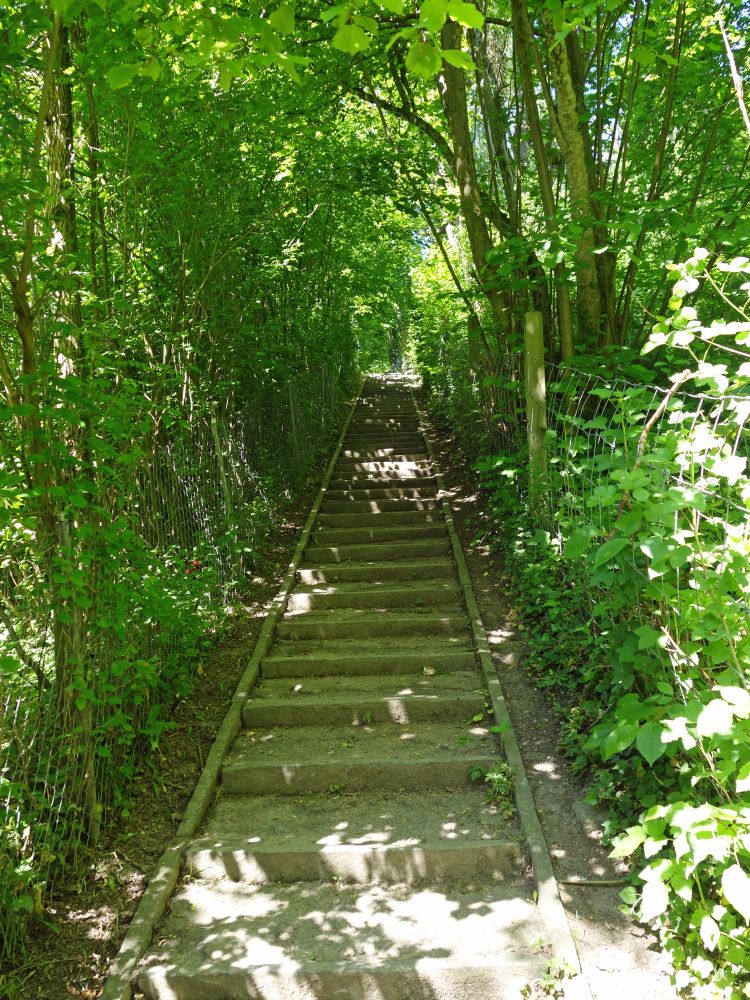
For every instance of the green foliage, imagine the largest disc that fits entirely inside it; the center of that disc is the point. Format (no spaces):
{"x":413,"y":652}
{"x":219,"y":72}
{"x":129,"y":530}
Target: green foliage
{"x":631,"y":587}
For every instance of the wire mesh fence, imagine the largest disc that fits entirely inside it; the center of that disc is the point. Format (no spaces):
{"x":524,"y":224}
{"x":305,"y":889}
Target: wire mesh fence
{"x":167,"y":554}
{"x":643,"y":516}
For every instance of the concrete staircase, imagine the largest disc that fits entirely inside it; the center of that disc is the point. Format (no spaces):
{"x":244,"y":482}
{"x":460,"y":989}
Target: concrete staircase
{"x":350,"y":856}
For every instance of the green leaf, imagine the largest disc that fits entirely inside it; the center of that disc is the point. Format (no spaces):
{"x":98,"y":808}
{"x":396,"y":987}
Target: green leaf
{"x":742,"y":783}
{"x":628,"y":842}
{"x":465,"y":14}
{"x":609,"y":550}
{"x":282,"y":19}
{"x":423,"y":59}
{"x":716,"y":717}
{"x":577,"y":544}
{"x":648,"y":741}
{"x":433,"y":14}
{"x":654,"y":900}
{"x":394,"y":6}
{"x":121,"y":76}
{"x":459,"y":59}
{"x":709,"y":932}
{"x":619,"y":739}
{"x":352,"y":39}
{"x":735,"y":884}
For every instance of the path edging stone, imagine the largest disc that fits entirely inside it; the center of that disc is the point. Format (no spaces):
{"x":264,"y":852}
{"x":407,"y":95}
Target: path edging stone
{"x":161,"y":884}
{"x":548,"y":897}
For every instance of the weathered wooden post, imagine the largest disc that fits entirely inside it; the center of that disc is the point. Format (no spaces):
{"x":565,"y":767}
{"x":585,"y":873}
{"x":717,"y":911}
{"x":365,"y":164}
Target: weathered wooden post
{"x":536,"y":404}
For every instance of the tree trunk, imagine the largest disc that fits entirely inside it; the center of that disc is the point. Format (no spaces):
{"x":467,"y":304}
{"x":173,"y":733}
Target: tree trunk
{"x":588,"y":299}
{"x":453,"y":93}
{"x":522,"y":36}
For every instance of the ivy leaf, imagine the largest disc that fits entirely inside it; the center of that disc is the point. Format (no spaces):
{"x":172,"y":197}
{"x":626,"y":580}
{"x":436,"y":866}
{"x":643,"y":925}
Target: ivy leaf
{"x":609,"y":550}
{"x":735,"y":884}
{"x":466,"y":14}
{"x":648,"y":741}
{"x":351,"y":38}
{"x":459,"y":59}
{"x":423,"y":59}
{"x":654,"y":901}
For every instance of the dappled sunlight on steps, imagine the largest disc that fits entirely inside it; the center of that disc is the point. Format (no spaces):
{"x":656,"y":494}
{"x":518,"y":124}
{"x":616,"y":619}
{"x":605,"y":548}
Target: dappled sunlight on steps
{"x":350,"y":855}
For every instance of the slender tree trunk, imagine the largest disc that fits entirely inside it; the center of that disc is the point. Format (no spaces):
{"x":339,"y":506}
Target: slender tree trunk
{"x":477,"y":230}
{"x":628,"y":285}
{"x":522,"y":35}
{"x":588,"y":299}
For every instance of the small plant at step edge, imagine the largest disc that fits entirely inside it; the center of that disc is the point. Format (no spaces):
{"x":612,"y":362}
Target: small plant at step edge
{"x":498,"y":787}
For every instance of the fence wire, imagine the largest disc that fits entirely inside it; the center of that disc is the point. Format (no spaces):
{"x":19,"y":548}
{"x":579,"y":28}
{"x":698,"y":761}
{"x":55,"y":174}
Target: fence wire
{"x":200,"y":506}
{"x":614,"y":446}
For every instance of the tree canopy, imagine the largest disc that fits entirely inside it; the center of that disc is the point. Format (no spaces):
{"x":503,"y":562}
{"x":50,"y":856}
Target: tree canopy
{"x":214,"y":215}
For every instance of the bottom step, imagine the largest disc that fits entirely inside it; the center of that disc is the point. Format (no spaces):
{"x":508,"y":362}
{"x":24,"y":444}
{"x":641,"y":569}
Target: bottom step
{"x":311,"y":942}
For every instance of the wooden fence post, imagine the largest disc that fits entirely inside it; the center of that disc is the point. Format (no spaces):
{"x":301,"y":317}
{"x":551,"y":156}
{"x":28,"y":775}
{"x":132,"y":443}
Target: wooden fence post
{"x":536,"y":403}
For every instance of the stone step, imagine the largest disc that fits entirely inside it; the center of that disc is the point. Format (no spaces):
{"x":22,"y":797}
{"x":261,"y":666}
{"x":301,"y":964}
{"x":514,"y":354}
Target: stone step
{"x":372,"y":594}
{"x":358,"y":623}
{"x":386,"y":505}
{"x":380,"y":755}
{"x":444,"y":846}
{"x":403,"y":837}
{"x":358,"y":701}
{"x":278,"y":942}
{"x":393,"y":533}
{"x":378,"y":468}
{"x":361,"y":662}
{"x":377,"y":519}
{"x":404,"y":710}
{"x":385,"y":484}
{"x":377,"y":551}
{"x":381,"y":493}
{"x":376,"y":454}
{"x":390,"y":438}
{"x":430,"y":568}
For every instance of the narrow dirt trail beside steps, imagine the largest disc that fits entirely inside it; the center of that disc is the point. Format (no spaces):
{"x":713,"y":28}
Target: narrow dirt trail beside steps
{"x":349,"y":855}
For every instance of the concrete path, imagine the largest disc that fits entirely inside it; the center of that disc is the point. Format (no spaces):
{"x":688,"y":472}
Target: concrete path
{"x":350,"y":856}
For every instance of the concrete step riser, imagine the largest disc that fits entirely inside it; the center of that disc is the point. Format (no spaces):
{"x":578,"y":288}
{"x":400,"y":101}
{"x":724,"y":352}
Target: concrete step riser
{"x":377,"y":597}
{"x":467,"y":862}
{"x":405,"y":711}
{"x":375,"y":629}
{"x":376,"y":519}
{"x":387,"y":665}
{"x":377,"y":552}
{"x":384,"y":485}
{"x":374,"y":454}
{"x":428,"y":569}
{"x":384,"y":506}
{"x":384,"y":494}
{"x":340,"y":775}
{"x":505,"y":980}
{"x":395,"y":466}
{"x":360,"y":536}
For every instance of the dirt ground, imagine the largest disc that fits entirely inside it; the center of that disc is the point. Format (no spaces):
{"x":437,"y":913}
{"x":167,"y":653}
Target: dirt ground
{"x":86,"y":919}
{"x":619,"y":957}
